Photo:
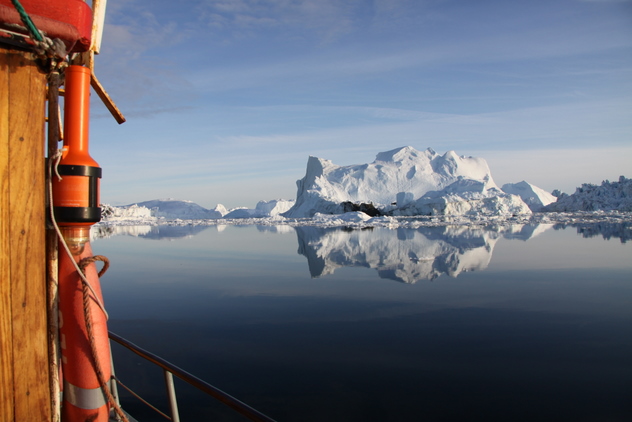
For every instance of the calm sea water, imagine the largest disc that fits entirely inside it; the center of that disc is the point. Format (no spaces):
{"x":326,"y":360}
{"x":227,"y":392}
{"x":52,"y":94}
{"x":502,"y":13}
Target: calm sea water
{"x":440,"y":324}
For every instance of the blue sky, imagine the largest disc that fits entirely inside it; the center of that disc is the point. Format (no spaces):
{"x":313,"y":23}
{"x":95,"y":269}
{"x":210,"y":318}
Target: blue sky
{"x":225,"y":100}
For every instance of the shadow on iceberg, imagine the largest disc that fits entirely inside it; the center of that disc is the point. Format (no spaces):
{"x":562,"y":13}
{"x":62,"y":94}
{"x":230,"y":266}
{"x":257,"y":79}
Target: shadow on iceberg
{"x":405,"y":255}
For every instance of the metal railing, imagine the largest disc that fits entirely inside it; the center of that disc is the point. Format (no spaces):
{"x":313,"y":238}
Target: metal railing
{"x":171,"y":369}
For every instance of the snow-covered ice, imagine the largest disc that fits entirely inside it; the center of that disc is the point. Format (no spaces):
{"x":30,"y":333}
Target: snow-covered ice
{"x":262,"y":209}
{"x":533,"y":196}
{"x":128,"y":213}
{"x":174,"y":208}
{"x":404,"y":181}
{"x":608,"y":196}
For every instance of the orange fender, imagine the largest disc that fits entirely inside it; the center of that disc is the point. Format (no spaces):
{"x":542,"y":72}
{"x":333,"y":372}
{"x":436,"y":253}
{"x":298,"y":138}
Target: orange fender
{"x":83,"y":398}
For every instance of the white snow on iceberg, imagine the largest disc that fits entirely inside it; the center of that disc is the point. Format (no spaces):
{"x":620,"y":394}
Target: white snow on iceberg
{"x":173,"y":208}
{"x":404,"y":181}
{"x":533,"y":196}
{"x":263,"y":209}
{"x":610,"y":196}
{"x":127,"y":213}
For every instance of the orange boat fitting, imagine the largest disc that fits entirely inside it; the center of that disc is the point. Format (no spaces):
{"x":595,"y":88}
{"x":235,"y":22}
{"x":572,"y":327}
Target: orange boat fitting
{"x":76,"y":188}
{"x":81,"y":338}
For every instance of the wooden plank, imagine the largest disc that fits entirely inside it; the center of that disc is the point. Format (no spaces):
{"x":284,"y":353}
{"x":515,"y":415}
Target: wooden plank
{"x":27,"y":90}
{"x":52,"y":268}
{"x":98,"y":21}
{"x":87,"y":59}
{"x":6,"y":332}
{"x":105,"y":97}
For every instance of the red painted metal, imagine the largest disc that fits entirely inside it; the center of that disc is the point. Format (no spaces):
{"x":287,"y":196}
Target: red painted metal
{"x":68,"y":20}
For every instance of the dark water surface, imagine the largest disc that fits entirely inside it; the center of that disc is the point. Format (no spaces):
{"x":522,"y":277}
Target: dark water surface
{"x":431,"y":324}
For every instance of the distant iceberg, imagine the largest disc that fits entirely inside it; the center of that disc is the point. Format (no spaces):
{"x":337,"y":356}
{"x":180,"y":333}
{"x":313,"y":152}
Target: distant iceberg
{"x":610,"y":196}
{"x":263,"y":209}
{"x":174,"y":208}
{"x":533,"y":196}
{"x":128,"y":213}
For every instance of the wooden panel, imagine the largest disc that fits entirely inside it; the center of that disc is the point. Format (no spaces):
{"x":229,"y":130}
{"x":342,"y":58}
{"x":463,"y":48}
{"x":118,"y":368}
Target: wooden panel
{"x":26,"y":234}
{"x":6,"y":333}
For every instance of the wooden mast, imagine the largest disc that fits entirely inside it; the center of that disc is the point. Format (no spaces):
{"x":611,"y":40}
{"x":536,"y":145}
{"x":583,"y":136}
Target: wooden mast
{"x":24,"y":366}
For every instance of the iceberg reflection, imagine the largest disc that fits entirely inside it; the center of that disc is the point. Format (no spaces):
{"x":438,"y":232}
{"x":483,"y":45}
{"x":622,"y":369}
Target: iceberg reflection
{"x":147,"y":231}
{"x":406,"y":255}
{"x":621,"y":231}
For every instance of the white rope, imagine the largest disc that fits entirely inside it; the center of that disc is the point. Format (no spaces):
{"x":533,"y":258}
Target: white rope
{"x":57,"y":158}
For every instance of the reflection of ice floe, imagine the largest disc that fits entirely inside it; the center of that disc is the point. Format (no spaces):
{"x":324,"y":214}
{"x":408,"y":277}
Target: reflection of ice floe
{"x":147,"y":232}
{"x":281,"y":229}
{"x":406,"y":255}
{"x":621,"y":231}
{"x":173,"y":232}
{"x":102,"y":232}
{"x":525,"y":231}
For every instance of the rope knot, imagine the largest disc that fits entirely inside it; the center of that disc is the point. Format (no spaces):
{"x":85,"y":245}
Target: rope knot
{"x":90,"y":259}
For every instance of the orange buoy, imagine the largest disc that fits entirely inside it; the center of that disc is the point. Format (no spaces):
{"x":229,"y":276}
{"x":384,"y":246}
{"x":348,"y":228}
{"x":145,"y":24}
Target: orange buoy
{"x":76,"y":191}
{"x":83,"y":396}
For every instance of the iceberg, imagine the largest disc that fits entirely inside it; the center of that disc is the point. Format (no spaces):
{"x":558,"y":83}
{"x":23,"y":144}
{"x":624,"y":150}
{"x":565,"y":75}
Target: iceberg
{"x":128,"y":213}
{"x":533,"y":196}
{"x":173,"y":208}
{"x":610,"y":196}
{"x":404,"y":182}
{"x":263,"y":209}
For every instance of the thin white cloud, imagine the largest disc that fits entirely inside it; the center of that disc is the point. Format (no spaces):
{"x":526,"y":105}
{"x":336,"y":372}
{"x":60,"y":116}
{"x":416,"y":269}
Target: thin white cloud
{"x":347,"y":62}
{"x":327,"y":19}
{"x":139,"y":61}
{"x":129,"y":32}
